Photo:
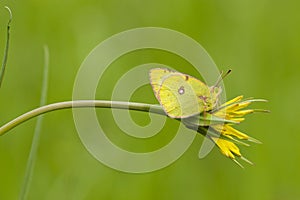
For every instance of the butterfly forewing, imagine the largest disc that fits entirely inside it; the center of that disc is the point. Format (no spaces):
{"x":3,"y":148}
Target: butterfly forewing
{"x":156,"y":77}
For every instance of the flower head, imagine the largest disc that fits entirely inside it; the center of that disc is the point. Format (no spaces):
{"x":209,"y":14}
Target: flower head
{"x":218,"y":123}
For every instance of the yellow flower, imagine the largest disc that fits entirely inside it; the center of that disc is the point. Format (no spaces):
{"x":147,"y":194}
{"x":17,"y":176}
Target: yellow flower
{"x":218,"y":124}
{"x":230,"y":150}
{"x":232,"y":110}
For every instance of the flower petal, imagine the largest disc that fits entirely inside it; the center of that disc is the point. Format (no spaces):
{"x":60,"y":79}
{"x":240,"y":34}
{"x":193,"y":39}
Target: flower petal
{"x":238,"y":98}
{"x":227,"y":148}
{"x":232,"y":131}
{"x":241,"y":113}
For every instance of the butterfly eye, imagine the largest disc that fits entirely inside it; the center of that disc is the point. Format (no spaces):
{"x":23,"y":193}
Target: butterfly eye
{"x":181,"y":90}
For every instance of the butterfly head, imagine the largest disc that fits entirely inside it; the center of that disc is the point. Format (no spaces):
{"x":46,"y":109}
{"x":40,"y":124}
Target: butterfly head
{"x":216,"y":90}
{"x":211,"y":101}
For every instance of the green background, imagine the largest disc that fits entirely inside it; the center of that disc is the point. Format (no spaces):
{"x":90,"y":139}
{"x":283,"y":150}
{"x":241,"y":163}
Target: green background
{"x":258,"y":40}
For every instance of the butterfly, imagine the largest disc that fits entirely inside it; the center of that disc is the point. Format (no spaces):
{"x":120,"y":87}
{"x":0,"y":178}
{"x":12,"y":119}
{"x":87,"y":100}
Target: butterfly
{"x":182,"y":95}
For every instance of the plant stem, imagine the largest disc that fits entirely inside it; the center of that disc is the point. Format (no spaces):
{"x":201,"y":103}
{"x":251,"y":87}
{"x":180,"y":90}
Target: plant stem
{"x":80,"y":104}
{"x":6,"y":47}
{"x":37,"y":132}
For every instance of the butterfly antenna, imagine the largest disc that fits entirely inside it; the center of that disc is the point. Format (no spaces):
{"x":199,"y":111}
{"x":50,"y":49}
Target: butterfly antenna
{"x":221,"y":77}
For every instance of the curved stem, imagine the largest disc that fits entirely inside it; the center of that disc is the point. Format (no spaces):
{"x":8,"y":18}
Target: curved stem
{"x":80,"y":104}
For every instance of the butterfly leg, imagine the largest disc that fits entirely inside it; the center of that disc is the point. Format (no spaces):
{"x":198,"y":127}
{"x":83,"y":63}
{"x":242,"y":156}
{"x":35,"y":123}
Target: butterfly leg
{"x":205,"y":107}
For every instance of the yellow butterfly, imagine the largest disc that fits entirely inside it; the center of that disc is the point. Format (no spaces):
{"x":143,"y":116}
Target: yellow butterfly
{"x":182,"y":95}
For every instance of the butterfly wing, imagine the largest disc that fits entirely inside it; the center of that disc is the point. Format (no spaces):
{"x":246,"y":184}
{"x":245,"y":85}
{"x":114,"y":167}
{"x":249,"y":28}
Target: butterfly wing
{"x":182,"y":95}
{"x":207,"y":96}
{"x":157,"y":75}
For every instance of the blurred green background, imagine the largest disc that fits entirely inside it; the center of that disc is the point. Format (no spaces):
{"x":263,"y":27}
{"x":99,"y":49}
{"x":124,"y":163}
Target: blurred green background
{"x":258,"y":40}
